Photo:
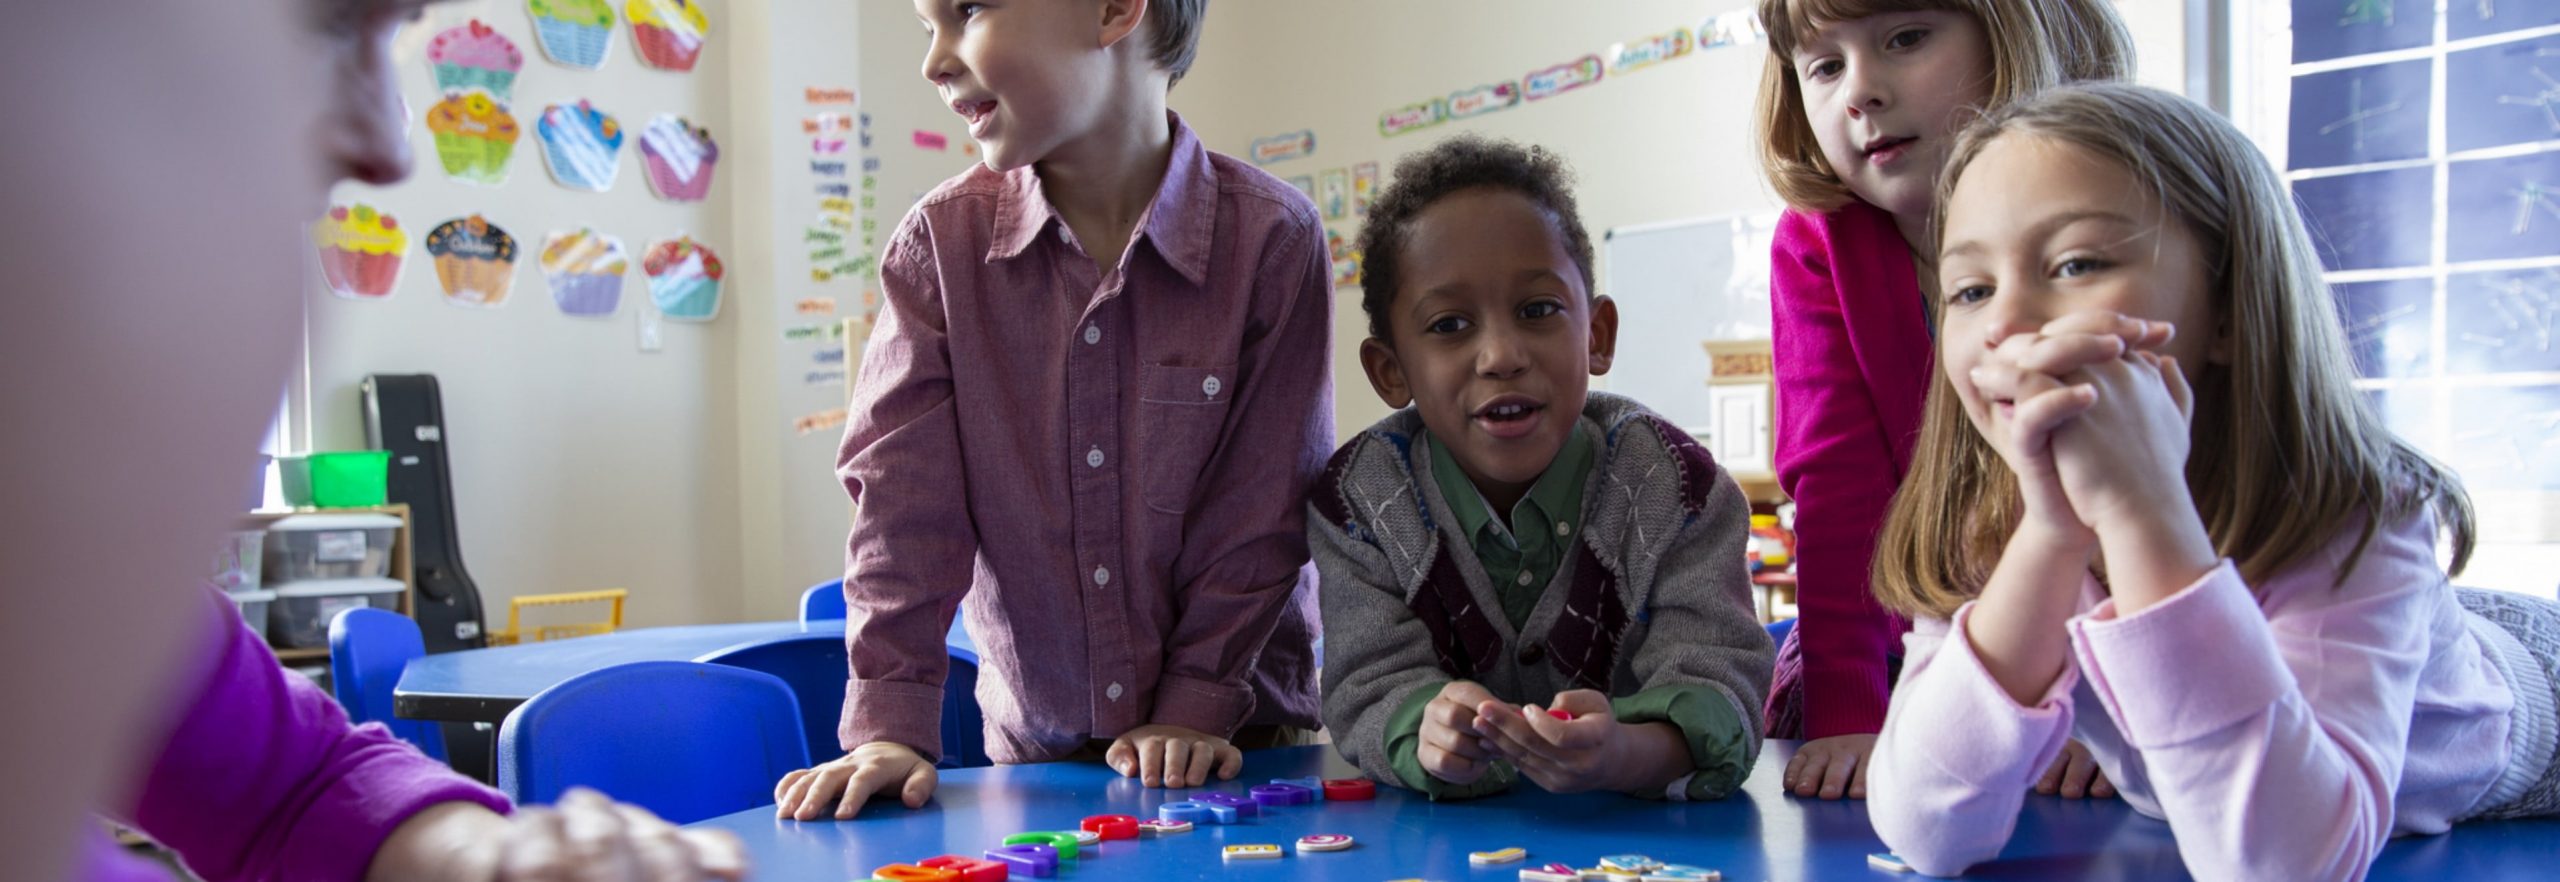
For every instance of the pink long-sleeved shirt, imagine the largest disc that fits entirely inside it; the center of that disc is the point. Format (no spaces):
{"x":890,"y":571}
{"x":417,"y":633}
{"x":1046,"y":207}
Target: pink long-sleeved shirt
{"x":2285,"y":734}
{"x":1851,"y":341}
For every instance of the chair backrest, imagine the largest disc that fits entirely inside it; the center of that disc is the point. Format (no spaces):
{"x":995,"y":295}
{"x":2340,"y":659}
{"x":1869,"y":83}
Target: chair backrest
{"x":814,"y":666}
{"x":1778,"y":630}
{"x":688,"y":741}
{"x":368,"y":648}
{"x":823,"y":601}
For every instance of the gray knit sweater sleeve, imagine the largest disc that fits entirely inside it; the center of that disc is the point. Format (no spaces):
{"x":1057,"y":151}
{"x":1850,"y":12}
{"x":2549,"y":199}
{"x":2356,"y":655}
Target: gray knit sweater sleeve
{"x":1702,"y":629}
{"x":1377,"y":654}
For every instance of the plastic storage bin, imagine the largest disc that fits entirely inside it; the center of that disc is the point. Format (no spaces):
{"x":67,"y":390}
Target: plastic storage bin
{"x":341,"y":479}
{"x":236,"y":567}
{"x":253,"y":609}
{"x":299,"y":618}
{"x":329,"y":546}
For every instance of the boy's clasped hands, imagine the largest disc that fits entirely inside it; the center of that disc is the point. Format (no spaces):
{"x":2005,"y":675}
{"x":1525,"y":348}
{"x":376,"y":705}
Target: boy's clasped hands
{"x":1575,"y":746}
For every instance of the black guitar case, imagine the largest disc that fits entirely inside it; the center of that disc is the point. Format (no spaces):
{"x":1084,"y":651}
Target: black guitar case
{"x":404,"y":414}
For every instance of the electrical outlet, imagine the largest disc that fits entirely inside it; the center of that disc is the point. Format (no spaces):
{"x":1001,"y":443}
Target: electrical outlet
{"x":651,"y":340}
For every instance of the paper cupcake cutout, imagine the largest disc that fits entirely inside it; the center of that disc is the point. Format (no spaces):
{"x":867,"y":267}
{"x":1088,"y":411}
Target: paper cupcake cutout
{"x":582,"y":145}
{"x":574,"y":33}
{"x":360,"y":251}
{"x":679,"y":156}
{"x":668,"y":32}
{"x":475,"y":261}
{"x":684,"y":279}
{"x":475,"y":56}
{"x":584,"y":270}
{"x":474,"y":137}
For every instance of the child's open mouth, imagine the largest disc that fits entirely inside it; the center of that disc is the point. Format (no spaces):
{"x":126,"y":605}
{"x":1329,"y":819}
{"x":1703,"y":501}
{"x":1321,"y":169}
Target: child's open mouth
{"x":976,"y":112}
{"x":1510,"y":416}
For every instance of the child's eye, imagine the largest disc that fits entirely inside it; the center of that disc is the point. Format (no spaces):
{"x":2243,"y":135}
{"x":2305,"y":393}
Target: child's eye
{"x":1969,"y":294}
{"x":1541,"y":309}
{"x":1822,"y":70}
{"x":2079,"y":266}
{"x":1905,"y":39}
{"x":967,"y":10}
{"x":1446,"y":325}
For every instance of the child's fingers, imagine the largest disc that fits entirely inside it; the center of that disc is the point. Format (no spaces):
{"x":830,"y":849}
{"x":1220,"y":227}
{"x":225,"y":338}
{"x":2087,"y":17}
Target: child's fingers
{"x":2174,"y":377}
{"x":1201,"y":760}
{"x":718,"y":853}
{"x":2137,"y":333}
{"x":1835,"y":780}
{"x":921,"y":780}
{"x":1463,"y":742}
{"x":2051,"y":782}
{"x":1177,"y":759}
{"x":1449,"y":713}
{"x":786,"y":792}
{"x":1230,"y":761}
{"x":1122,"y":757}
{"x":2000,"y":381}
{"x":2040,"y":414}
{"x":2060,"y":355}
{"x":2100,"y":787}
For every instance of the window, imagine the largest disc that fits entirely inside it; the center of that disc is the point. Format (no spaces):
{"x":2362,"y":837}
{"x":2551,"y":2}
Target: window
{"x":2422,"y":140}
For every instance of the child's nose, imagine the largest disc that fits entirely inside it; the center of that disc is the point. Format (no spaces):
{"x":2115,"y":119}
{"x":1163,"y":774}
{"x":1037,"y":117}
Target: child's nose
{"x":1869,"y":91}
{"x":1501,"y":356}
{"x":941,"y":65}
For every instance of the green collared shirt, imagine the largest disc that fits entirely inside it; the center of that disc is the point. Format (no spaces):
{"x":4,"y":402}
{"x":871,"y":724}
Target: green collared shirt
{"x":1520,"y":557}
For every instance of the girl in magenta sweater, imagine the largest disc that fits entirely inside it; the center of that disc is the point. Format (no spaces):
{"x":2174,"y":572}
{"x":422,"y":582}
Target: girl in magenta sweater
{"x":1857,"y":107}
{"x":154,"y":318}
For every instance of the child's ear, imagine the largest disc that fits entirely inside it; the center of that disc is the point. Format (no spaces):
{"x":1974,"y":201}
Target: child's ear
{"x":1121,"y":18}
{"x":1604,"y":334}
{"x":1386,"y":374}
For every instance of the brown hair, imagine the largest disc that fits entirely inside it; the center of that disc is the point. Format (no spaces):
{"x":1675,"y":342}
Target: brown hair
{"x":2035,"y":45}
{"x":1173,"y":33}
{"x":2285,"y":454}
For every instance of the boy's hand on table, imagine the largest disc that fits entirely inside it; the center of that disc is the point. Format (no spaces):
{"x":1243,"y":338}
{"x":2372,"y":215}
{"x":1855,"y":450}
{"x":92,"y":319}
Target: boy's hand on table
{"x":584,"y":838}
{"x":2075,"y":774}
{"x":1831,"y":767}
{"x":1166,"y":755}
{"x":871,"y":769}
{"x":1450,"y":749}
{"x":1590,"y":751}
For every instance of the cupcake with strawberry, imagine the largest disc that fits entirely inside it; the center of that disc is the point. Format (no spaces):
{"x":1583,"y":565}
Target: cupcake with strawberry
{"x":584,"y":270}
{"x":475,"y":56}
{"x":474,"y":135}
{"x":574,"y":33}
{"x":360,"y":251}
{"x":679,"y":155}
{"x":474,"y":260}
{"x":684,"y":279}
{"x":668,"y":32}
{"x":582,"y":145}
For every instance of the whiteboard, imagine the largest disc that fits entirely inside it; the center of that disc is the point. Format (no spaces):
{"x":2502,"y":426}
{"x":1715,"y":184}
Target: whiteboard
{"x":1677,"y":286}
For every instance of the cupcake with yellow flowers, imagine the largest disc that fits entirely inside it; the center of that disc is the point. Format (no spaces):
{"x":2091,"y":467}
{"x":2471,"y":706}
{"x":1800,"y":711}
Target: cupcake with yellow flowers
{"x":584,"y":269}
{"x":475,"y":260}
{"x":360,"y":251}
{"x":575,"y":33}
{"x":668,"y":32}
{"x":474,"y":135}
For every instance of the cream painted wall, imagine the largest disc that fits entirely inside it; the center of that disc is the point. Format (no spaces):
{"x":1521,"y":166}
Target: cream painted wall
{"x":581,"y":461}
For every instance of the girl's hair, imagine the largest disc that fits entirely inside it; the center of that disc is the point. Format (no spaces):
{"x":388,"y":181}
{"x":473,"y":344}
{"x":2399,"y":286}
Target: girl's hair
{"x":2035,"y":45}
{"x":2284,"y":452}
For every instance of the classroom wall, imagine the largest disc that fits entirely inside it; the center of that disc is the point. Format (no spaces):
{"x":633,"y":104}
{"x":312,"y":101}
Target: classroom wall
{"x":580,"y":460}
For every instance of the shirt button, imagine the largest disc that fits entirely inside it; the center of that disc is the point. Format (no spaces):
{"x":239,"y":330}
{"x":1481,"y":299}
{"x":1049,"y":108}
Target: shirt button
{"x":1112,"y":693}
{"x":1524,"y":578}
{"x":1209,"y":387}
{"x":1532,"y":654}
{"x":1092,"y":334}
{"x":1102,"y":575}
{"x":1093,"y":458}
{"x":1564,"y":529}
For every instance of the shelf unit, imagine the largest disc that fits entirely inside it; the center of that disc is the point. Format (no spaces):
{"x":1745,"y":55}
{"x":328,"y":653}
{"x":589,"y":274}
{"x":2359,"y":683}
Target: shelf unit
{"x":260,"y":520}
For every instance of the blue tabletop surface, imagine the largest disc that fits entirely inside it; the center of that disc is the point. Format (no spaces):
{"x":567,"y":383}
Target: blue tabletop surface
{"x":1758,"y":834}
{"x":482,"y":685}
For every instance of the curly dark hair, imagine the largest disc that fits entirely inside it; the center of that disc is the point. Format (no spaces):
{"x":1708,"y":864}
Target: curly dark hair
{"x":1462,"y":163}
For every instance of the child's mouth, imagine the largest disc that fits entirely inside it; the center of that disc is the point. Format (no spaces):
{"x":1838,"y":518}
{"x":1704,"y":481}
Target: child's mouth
{"x":1884,"y":151}
{"x":1509,"y":417}
{"x":976,"y":112}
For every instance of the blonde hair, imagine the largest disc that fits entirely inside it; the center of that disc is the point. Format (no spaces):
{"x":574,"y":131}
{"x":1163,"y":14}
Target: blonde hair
{"x":2284,"y":454}
{"x":2035,"y":45}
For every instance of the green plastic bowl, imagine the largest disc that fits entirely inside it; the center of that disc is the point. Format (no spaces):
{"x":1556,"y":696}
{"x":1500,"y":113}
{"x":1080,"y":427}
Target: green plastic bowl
{"x":344,"y":479}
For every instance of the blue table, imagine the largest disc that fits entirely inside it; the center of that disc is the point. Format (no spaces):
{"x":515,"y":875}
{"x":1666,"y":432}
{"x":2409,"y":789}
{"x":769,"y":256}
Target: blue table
{"x":483,"y":685}
{"x":1758,"y":834}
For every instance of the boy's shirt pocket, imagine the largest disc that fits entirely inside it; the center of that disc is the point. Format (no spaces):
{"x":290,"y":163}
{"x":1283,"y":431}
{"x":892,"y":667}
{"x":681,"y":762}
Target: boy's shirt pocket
{"x":1181,"y":411}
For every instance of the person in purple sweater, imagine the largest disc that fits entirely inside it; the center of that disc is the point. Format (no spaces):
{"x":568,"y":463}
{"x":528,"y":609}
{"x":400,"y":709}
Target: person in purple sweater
{"x":151,"y":247}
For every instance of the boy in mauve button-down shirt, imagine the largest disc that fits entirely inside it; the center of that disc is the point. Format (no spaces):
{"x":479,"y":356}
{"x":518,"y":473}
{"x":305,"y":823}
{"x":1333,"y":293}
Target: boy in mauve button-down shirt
{"x":1092,"y":406}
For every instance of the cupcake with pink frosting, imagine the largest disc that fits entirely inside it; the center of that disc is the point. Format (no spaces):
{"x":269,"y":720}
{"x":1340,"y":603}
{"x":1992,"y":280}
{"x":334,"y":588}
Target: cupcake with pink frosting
{"x":475,"y":56}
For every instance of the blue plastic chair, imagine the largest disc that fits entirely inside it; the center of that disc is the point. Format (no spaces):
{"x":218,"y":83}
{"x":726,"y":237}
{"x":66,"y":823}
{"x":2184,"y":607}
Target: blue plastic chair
{"x":367,"y":650}
{"x":1778,"y":631}
{"x":815,"y":668}
{"x":686,"y":740}
{"x":822,"y":602}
